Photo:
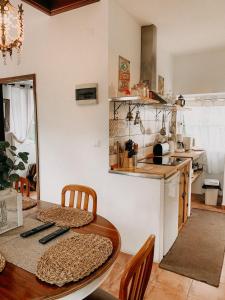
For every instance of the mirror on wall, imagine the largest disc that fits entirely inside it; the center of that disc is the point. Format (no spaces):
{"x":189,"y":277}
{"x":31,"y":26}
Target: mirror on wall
{"x":19,"y":128}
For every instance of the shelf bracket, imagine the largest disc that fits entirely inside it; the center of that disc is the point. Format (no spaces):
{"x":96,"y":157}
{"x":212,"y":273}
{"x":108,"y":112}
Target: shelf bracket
{"x":115,"y":110}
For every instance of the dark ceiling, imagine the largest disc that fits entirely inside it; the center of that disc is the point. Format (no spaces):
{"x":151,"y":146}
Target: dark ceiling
{"x":53,"y":7}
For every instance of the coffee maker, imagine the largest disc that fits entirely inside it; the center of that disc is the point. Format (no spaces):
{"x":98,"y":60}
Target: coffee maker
{"x":180,"y":143}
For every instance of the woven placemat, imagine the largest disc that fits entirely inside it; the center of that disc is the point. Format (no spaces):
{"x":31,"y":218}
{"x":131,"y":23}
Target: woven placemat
{"x":74,"y":258}
{"x":65,"y":216}
{"x":28,"y":203}
{"x":25,"y":253}
{"x":2,"y":262}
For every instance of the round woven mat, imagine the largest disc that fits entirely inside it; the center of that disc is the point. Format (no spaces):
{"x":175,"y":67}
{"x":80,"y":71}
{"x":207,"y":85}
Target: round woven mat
{"x":28,"y":203}
{"x":65,"y":216}
{"x":73,"y":259}
{"x":2,"y":263}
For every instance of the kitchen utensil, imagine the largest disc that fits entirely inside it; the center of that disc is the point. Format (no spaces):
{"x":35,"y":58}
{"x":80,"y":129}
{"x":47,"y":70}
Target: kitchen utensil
{"x":129,"y":117}
{"x":37,"y":229}
{"x":53,"y":235}
{"x":163,"y":129}
{"x":137,"y":118}
{"x":142,"y":128}
{"x":187,"y":143}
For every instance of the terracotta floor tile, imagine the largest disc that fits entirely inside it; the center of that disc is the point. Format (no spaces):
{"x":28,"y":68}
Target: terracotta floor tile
{"x":222,"y":278}
{"x":164,"y":293}
{"x":201,"y":291}
{"x":179,"y":284}
{"x":165,"y":285}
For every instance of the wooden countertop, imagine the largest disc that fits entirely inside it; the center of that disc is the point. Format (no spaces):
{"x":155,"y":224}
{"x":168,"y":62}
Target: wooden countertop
{"x":151,"y":171}
{"x":188,"y":154}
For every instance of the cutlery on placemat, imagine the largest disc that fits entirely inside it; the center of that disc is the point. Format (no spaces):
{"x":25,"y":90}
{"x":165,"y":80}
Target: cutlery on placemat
{"x":53,"y":235}
{"x":37,"y":229}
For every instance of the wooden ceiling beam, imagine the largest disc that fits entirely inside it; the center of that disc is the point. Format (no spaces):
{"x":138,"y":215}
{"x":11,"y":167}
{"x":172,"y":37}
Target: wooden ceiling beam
{"x":54,"y":7}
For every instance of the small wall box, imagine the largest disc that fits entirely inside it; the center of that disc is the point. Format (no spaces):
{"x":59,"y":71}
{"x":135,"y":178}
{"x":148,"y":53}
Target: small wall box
{"x":87,"y":93}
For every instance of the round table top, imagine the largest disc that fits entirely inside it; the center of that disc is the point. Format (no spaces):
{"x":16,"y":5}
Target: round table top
{"x":18,"y":284}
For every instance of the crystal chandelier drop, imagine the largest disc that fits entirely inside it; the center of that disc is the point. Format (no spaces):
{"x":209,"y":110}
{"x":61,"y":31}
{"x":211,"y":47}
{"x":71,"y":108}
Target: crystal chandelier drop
{"x":11,"y":28}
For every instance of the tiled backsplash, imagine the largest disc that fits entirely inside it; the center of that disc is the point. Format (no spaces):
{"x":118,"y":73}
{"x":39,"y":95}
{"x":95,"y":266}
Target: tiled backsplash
{"x":122,"y":130}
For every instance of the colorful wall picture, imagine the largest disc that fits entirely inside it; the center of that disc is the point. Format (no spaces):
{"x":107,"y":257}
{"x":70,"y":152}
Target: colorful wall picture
{"x":161,"y":85}
{"x":124,"y":76}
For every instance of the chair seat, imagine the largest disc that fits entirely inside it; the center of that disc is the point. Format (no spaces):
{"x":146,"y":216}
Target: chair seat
{"x":100,"y":294}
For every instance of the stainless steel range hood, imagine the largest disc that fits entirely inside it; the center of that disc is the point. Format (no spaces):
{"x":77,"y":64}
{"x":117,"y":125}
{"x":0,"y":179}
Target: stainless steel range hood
{"x":149,"y":55}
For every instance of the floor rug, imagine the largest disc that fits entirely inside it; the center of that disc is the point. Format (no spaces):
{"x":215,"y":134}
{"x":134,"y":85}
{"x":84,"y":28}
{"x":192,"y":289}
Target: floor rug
{"x":198,"y":252}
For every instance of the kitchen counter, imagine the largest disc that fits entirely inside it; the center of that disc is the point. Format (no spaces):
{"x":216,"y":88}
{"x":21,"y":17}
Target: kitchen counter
{"x":188,"y":154}
{"x":151,"y":170}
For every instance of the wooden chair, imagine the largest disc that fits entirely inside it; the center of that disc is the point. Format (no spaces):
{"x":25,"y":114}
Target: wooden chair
{"x":135,"y":278}
{"x":23,"y":186}
{"x":83,"y":196}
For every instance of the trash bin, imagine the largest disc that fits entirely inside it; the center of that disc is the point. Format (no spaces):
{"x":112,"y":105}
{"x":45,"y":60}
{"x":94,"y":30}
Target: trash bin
{"x":212,"y":187}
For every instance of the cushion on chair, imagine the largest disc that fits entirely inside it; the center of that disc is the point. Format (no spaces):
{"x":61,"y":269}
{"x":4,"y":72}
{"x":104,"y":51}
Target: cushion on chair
{"x":100,"y":294}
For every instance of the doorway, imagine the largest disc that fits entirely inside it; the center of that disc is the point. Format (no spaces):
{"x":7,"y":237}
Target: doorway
{"x":19,"y":126}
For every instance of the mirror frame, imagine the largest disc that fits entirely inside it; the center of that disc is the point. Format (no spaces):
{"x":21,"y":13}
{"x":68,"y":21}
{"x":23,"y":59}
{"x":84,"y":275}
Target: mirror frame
{"x":33,"y":78}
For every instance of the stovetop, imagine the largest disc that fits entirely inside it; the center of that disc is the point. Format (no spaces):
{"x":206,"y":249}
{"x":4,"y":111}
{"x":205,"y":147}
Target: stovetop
{"x":162,"y":160}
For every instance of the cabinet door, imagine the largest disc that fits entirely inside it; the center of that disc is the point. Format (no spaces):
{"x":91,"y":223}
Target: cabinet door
{"x":181,"y":199}
{"x":185,"y":194}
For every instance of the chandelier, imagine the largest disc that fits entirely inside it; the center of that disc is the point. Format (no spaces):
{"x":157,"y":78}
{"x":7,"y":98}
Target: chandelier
{"x":11,"y":28}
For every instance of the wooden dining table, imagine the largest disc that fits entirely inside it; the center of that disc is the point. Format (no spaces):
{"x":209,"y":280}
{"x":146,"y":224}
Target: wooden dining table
{"x":19,"y":284}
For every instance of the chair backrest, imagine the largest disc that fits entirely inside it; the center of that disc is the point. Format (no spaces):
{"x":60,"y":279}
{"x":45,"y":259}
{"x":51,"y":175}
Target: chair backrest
{"x":23,"y":186}
{"x":136,"y":276}
{"x":83,"y":196}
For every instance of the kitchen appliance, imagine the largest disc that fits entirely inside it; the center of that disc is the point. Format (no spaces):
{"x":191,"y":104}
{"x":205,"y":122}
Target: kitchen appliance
{"x":187,"y":140}
{"x":162,"y":160}
{"x":171,"y":211}
{"x":161,"y":149}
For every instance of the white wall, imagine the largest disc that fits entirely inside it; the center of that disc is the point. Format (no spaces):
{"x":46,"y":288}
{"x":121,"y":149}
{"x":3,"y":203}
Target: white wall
{"x":201,"y":72}
{"x":125,"y":41}
{"x":63,"y":51}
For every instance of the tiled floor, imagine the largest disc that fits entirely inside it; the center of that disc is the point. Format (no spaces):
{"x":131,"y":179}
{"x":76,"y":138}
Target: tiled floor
{"x":198,"y":202}
{"x":165,"y":285}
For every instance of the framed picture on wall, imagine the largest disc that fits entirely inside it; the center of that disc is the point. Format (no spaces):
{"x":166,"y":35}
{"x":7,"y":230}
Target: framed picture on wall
{"x":124,"y":76}
{"x":161,"y":85}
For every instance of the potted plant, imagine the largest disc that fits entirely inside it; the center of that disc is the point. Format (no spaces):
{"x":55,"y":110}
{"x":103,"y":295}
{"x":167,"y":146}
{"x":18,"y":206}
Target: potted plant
{"x":10,"y":201}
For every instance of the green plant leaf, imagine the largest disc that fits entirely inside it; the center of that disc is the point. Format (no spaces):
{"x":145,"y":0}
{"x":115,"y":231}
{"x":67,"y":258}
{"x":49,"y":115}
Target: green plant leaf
{"x":13,"y":148}
{"x":4,"y":145}
{"x":23,"y":156}
{"x":9,"y":162}
{"x":21,"y":166}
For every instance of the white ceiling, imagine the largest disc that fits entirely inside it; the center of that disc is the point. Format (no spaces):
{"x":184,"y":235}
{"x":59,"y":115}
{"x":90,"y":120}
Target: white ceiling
{"x":184,"y":26}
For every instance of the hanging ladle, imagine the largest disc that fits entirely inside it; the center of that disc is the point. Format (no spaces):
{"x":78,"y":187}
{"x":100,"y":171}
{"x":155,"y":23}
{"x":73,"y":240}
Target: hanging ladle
{"x":163,"y":129}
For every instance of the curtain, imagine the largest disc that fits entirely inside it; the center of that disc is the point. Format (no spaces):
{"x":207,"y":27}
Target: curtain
{"x":21,"y":111}
{"x":207,"y":125}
